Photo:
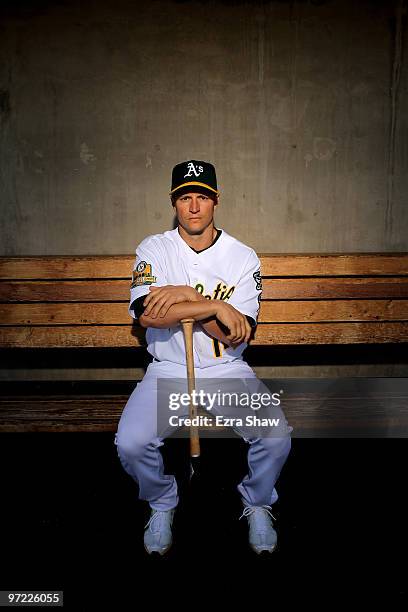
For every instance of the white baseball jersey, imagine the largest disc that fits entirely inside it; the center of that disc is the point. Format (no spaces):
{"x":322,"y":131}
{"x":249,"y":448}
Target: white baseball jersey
{"x":227,"y":270}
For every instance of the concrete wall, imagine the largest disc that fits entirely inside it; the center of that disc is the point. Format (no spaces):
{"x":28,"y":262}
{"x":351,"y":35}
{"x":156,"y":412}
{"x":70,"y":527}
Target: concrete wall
{"x":291,"y":100}
{"x":300,"y":105}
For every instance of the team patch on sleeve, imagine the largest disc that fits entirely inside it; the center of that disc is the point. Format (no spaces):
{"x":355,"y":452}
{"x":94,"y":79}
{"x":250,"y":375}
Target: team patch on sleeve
{"x":258,"y":280}
{"x":142,"y":275}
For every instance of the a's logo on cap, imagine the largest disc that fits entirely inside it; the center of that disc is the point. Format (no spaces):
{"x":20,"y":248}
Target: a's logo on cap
{"x":193,"y":170}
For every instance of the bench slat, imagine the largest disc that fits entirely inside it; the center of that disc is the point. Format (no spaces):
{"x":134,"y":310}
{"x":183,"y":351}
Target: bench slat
{"x":271,"y":311}
{"x":65,"y":291}
{"x":277,"y":289}
{"x":266,"y":333}
{"x":335,"y":288}
{"x":275,"y":264}
{"x":332,"y":264}
{"x":311,"y":414}
{"x":333,"y":310}
{"x":66,"y":266}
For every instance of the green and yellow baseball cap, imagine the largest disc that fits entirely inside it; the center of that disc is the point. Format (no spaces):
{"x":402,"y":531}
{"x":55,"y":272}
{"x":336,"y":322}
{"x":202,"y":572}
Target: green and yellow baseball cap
{"x":194,"y":176}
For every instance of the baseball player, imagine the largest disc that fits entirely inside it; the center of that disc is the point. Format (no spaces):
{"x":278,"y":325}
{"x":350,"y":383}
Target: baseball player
{"x":195,"y":271}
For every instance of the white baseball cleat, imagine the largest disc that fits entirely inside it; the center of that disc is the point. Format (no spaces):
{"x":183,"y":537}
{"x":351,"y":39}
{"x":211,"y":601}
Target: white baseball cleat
{"x":262,"y":535}
{"x":157,"y":536}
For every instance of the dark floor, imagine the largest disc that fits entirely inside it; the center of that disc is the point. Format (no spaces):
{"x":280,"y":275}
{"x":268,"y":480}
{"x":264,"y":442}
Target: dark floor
{"x":71,"y":521}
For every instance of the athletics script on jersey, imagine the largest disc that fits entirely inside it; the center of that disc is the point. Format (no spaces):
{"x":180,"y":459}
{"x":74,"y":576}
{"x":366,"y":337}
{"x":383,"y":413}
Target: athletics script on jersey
{"x":221,"y":291}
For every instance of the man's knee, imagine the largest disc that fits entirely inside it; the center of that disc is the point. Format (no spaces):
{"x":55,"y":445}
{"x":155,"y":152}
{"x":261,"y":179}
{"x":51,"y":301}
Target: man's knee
{"x":131,"y":445}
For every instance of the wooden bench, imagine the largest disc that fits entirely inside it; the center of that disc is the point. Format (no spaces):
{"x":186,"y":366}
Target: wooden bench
{"x":82,"y":301}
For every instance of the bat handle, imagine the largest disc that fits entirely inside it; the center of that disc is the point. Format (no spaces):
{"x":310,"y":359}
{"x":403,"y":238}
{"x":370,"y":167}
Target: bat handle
{"x":188,"y":339}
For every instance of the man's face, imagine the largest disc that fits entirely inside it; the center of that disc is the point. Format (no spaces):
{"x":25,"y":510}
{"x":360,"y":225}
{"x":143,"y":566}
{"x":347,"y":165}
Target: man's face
{"x":195,"y":212}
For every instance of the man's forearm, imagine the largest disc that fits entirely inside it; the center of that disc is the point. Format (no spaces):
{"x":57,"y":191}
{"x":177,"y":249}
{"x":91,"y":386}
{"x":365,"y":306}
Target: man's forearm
{"x":213,"y":329}
{"x":198,"y":310}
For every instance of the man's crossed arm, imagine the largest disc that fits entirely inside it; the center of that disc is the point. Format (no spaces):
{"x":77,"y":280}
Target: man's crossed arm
{"x":165,"y":306}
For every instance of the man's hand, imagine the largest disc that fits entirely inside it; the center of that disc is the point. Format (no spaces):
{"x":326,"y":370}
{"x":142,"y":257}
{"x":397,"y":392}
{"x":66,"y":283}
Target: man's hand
{"x":159,"y":300}
{"x":239,"y":328}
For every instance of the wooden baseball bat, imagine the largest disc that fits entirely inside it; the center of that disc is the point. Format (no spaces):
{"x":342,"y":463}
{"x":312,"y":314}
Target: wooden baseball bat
{"x":188,"y":339}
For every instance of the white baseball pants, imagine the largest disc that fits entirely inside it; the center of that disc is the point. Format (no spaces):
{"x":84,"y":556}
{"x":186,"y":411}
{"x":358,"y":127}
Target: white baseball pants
{"x":138,"y":442}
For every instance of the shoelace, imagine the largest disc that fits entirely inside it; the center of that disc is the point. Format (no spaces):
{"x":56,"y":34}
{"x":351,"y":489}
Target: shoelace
{"x":153,"y":519}
{"x":248,"y":510}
